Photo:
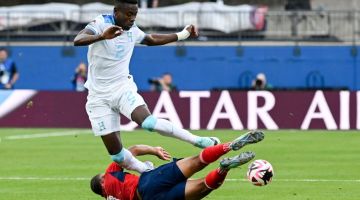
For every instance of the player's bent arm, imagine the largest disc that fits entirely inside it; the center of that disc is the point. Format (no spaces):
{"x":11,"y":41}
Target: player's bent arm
{"x":159,"y":39}
{"x":86,"y":37}
{"x":139,"y":150}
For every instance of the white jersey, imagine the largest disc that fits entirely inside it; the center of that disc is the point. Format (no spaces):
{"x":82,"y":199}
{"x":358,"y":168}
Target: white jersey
{"x":109,"y":59}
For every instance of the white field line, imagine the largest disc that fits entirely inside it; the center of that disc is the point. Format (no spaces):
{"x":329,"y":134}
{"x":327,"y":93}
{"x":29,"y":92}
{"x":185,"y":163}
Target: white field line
{"x":229,"y":180}
{"x":45,"y":135}
{"x":45,"y":178}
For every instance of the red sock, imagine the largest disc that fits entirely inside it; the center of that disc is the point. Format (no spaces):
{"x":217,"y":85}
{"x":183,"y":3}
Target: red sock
{"x":212,"y":153}
{"x":215,"y":179}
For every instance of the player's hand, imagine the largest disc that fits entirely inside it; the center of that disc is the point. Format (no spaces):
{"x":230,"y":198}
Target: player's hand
{"x":162,"y":154}
{"x":112,"y":32}
{"x":194,"y":33}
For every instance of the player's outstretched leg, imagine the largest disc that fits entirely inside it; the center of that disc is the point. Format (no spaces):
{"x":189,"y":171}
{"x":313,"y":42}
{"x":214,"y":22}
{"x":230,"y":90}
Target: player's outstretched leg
{"x":191,"y":165}
{"x":198,"y":189}
{"x":167,"y":128}
{"x":142,"y":116}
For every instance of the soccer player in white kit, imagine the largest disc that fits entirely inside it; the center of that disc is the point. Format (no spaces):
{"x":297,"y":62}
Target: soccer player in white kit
{"x":111,"y":89}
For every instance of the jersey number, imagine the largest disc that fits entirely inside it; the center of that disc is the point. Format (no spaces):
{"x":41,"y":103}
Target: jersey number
{"x":119,"y":51}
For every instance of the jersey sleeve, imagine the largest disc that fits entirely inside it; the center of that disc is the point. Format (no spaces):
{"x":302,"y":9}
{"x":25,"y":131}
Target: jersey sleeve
{"x":140,"y":35}
{"x":113,"y":167}
{"x":96,"y":25}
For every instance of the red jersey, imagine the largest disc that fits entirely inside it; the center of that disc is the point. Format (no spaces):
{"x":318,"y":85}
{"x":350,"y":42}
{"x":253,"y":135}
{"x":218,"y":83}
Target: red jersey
{"x":119,"y":185}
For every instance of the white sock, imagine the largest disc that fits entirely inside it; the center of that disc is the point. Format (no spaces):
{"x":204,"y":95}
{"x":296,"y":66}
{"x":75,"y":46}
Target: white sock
{"x":132,"y":163}
{"x":166,"y":128}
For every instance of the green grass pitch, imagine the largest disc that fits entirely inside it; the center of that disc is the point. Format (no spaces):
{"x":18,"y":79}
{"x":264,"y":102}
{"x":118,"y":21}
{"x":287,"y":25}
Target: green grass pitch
{"x":308,"y":165}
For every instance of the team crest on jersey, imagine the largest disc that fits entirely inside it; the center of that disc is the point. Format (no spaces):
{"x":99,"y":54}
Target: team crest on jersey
{"x":130,"y":38}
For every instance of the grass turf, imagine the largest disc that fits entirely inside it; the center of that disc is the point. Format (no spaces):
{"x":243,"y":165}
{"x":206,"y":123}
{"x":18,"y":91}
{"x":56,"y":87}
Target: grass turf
{"x":308,"y":165}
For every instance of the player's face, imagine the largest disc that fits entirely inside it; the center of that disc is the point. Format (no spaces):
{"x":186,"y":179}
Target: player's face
{"x":102,"y":181}
{"x":3,"y":55}
{"x":167,"y":78}
{"x":125,"y":15}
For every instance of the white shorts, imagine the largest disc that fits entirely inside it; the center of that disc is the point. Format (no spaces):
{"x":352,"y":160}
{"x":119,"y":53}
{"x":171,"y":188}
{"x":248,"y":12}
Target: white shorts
{"x":104,"y":110}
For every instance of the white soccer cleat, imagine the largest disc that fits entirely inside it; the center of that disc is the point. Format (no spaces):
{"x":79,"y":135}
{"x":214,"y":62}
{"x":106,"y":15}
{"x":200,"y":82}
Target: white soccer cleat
{"x":204,"y":142}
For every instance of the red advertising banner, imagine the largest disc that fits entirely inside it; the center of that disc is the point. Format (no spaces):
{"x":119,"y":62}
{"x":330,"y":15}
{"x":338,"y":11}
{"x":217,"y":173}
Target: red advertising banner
{"x":331,"y":110}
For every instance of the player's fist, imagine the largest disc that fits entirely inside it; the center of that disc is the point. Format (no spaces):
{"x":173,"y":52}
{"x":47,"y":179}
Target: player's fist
{"x":112,"y":32}
{"x":188,"y":31}
{"x":193,"y":31}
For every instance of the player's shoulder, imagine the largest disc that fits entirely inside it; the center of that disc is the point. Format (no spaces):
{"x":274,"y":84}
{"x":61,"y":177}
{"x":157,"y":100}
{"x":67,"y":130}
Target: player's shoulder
{"x":105,"y":19}
{"x":113,"y":167}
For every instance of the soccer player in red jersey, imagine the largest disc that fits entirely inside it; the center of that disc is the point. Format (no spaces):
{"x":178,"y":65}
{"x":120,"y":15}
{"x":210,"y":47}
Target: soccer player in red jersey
{"x":171,"y":181}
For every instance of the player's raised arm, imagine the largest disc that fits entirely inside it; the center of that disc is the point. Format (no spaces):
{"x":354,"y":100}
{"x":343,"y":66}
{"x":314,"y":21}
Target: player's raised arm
{"x":87,"y":36}
{"x":161,"y":39}
{"x":139,"y":150}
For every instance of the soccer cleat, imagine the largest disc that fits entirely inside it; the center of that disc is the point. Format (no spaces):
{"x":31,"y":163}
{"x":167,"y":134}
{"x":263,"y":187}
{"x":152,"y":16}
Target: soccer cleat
{"x":204,"y":142}
{"x":248,"y":138}
{"x":229,"y":163}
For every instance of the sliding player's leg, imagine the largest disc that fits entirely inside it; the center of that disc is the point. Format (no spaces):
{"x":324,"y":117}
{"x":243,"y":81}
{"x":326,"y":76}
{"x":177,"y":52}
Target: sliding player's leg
{"x":199,"y":188}
{"x":170,"y":181}
{"x":191,"y":165}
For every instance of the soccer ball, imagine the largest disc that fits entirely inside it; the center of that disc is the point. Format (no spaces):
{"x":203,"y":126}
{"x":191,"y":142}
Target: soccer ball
{"x":260,"y":172}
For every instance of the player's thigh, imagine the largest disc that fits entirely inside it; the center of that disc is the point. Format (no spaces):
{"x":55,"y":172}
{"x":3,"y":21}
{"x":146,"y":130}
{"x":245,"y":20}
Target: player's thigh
{"x":157,"y":182}
{"x":188,"y":190}
{"x":127,"y":99}
{"x":175,"y":193}
{"x":196,"y":189}
{"x":103,"y":119}
{"x":190,"y":165}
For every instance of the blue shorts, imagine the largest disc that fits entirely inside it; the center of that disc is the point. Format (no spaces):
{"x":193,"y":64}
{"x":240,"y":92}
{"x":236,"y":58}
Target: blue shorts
{"x":163,"y":183}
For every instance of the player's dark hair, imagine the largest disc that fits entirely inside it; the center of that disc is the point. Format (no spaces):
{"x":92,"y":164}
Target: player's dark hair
{"x":126,"y":1}
{"x":95,"y":185}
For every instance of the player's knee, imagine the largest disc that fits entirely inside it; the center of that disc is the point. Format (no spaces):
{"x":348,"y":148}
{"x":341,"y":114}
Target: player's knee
{"x":149,"y":123}
{"x":120,"y":157}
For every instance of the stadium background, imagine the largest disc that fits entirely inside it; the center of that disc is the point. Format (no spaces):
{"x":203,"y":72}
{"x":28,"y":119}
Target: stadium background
{"x":312,"y":62}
